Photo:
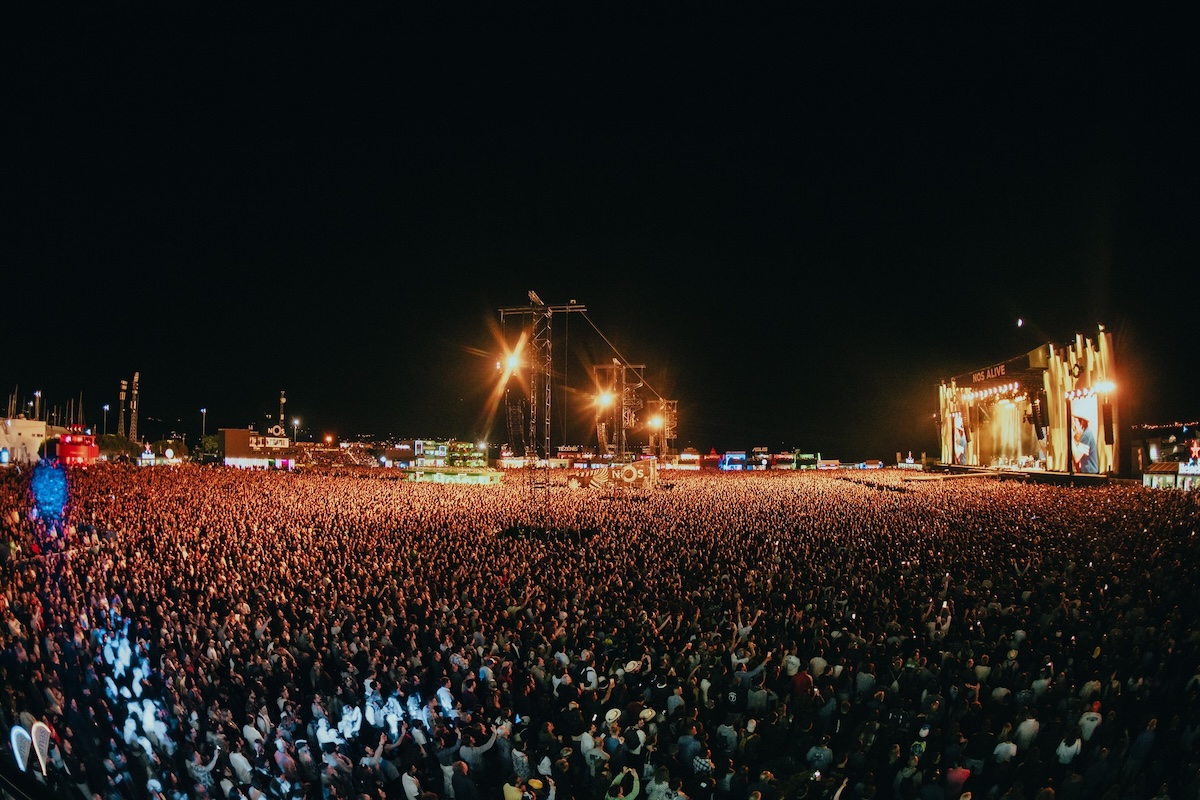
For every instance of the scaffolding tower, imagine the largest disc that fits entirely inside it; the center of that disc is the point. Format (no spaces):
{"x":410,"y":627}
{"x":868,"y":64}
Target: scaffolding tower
{"x":532,"y":433}
{"x":622,"y":382}
{"x":664,"y":438}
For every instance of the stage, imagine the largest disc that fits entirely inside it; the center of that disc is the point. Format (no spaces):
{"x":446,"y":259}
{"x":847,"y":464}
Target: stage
{"x":943,"y":472}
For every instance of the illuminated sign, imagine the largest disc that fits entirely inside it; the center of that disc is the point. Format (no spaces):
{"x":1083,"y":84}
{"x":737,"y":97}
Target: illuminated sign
{"x":991,"y":373}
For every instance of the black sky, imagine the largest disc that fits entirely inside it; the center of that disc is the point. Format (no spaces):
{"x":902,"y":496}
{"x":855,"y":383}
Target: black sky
{"x":799,"y":228}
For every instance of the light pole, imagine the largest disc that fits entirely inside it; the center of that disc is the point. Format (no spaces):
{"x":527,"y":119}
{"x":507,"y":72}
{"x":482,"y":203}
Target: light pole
{"x":656,"y":423}
{"x":203,"y":424}
{"x":105,"y":419}
{"x":295,"y":429}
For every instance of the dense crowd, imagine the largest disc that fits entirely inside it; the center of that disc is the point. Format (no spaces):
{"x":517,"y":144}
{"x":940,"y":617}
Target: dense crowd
{"x":211,"y":633}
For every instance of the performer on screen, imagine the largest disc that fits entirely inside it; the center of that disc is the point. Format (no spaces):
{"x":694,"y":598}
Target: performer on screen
{"x":960,"y":442}
{"x":1083,"y":446}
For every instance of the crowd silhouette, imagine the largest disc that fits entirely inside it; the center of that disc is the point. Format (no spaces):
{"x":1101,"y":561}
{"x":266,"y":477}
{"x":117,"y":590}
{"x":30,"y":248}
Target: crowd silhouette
{"x":192,"y":632}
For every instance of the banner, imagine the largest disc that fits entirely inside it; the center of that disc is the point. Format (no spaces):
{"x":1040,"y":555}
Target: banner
{"x":21,"y":742}
{"x":635,"y":475}
{"x":41,"y":742}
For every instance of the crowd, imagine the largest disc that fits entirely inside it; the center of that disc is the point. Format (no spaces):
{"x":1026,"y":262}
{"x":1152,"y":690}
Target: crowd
{"x":197,"y":633}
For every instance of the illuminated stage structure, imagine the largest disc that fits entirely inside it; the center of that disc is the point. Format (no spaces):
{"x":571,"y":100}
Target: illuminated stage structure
{"x":529,"y":433}
{"x":76,"y":446}
{"x":1051,"y":409}
{"x":617,"y":384}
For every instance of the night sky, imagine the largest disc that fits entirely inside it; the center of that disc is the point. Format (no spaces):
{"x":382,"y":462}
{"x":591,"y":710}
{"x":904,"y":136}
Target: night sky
{"x":799,"y":228}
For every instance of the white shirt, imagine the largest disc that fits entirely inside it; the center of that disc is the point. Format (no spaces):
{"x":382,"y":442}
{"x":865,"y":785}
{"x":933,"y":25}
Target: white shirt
{"x":412,"y":787}
{"x":1088,"y":722}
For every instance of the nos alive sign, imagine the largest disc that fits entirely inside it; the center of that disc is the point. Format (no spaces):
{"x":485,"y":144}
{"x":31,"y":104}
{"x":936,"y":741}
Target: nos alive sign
{"x":635,"y":475}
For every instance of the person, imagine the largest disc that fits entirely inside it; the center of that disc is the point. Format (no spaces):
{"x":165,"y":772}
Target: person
{"x":820,"y":756}
{"x":513,"y":788}
{"x":411,"y":783}
{"x":617,"y":788}
{"x":1083,"y":446}
{"x":200,"y":772}
{"x":464,"y":787}
{"x":960,"y":442}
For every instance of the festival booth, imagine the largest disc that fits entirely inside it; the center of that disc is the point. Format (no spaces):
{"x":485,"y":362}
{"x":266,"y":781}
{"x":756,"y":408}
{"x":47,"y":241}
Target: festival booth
{"x":1051,"y":409}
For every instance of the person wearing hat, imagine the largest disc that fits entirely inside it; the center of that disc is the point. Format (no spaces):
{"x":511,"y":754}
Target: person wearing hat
{"x":536,"y":789}
{"x":636,"y":739}
{"x":514,"y":787}
{"x":563,"y":772}
{"x":567,"y":690}
{"x":657,"y":692}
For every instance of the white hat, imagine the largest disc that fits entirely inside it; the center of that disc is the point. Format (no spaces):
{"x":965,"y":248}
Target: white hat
{"x":647,"y":714}
{"x":612,"y":715}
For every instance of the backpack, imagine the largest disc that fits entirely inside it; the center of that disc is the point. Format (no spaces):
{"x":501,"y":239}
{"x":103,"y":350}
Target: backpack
{"x":917,"y":748}
{"x":748,"y":744}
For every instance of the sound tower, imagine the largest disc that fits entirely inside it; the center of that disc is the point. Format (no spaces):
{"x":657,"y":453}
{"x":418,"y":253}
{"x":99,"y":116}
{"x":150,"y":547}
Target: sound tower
{"x":1039,"y":416}
{"x":121,"y":413}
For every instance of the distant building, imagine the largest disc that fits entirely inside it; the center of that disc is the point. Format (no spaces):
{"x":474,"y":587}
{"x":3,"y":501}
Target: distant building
{"x":247,"y":449}
{"x":21,"y":440}
{"x":1167,"y":456}
{"x":441,"y":461}
{"x":410,"y":453}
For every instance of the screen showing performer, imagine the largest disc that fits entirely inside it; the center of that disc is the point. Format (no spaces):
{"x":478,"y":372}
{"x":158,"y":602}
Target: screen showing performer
{"x":960,"y":440}
{"x":1083,"y":445}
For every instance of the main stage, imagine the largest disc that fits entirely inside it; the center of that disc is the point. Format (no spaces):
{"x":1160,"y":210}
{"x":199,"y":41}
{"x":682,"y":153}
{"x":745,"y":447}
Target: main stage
{"x":945,"y":472}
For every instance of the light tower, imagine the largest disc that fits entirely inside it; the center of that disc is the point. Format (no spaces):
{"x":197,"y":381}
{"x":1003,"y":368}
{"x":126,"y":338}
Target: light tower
{"x":537,"y":319}
{"x":663,"y":431}
{"x":121,"y":413}
{"x":623,"y":381}
{"x":133,"y":410}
